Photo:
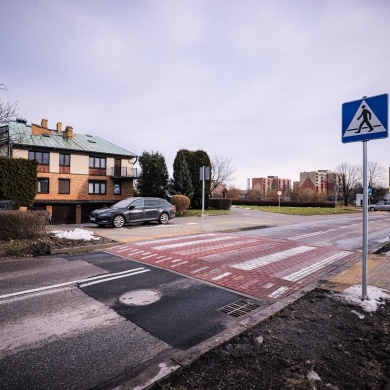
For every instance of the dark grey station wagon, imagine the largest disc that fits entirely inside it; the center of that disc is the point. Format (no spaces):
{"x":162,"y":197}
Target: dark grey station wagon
{"x":132,"y":210}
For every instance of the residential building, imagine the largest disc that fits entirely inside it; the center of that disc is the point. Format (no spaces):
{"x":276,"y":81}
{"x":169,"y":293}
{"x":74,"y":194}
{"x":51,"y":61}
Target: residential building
{"x":77,"y":173}
{"x":265,"y":185}
{"x":320,"y":182}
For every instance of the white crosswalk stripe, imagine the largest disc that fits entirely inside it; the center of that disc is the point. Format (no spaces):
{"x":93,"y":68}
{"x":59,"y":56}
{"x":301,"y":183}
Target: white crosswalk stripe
{"x":315,"y":267}
{"x":264,"y":260}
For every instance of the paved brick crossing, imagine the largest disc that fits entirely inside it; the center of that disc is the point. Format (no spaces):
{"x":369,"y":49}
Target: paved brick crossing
{"x":259,"y":267}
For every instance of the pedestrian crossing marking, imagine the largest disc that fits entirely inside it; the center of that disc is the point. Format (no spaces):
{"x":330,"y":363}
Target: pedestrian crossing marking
{"x":264,"y":260}
{"x":256,"y":266}
{"x":188,"y":243}
{"x":315,"y":267}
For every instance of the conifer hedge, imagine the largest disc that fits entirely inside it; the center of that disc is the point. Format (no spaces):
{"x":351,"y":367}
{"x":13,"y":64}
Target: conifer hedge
{"x":18,"y":180}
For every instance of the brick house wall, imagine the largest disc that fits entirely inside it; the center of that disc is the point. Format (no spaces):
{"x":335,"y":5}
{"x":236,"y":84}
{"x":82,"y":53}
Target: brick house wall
{"x":76,"y":205}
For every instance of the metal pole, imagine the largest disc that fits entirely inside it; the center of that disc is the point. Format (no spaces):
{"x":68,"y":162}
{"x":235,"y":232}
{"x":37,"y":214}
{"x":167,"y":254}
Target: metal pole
{"x":335,"y":201}
{"x":365,"y":222}
{"x":202,"y":196}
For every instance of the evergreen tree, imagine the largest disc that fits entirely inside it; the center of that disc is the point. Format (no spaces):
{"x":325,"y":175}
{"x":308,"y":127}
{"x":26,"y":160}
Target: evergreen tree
{"x":153,"y":180}
{"x":196,"y":160}
{"x":182,"y":182}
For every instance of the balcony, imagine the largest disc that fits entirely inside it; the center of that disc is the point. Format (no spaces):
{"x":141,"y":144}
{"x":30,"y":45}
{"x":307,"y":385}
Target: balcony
{"x":129,"y":173}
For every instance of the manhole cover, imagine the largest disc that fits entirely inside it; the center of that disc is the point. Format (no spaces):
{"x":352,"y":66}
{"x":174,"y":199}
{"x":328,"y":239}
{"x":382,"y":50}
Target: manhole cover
{"x":139,"y":297}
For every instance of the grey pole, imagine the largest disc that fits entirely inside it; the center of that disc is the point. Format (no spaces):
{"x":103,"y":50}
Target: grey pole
{"x":202,"y":195}
{"x":365,"y":222}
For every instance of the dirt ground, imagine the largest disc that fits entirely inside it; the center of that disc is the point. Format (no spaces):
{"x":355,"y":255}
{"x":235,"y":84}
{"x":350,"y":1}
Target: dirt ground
{"x":43,"y":246}
{"x":318,"y":342}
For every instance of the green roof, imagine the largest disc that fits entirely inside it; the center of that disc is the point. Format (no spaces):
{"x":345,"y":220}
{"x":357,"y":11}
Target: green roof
{"x":83,"y":143}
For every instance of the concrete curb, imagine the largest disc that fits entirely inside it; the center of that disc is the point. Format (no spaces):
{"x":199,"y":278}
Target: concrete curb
{"x":81,"y":249}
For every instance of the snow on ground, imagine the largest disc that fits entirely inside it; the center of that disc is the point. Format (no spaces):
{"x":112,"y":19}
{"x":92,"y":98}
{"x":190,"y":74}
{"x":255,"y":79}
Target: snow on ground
{"x":375,"y":297}
{"x":77,"y":234}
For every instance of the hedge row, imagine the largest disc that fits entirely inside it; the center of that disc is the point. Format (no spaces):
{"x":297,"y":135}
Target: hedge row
{"x":16,"y":225}
{"x":18,"y":180}
{"x":220,"y":203}
{"x":246,"y":202}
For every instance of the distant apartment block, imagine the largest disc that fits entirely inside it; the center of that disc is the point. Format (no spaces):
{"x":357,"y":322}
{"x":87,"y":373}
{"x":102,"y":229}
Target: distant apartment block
{"x":77,"y":173}
{"x":320,"y":182}
{"x":265,"y":185}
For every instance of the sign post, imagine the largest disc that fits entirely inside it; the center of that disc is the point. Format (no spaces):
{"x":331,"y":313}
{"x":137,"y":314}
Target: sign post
{"x":279,"y":194}
{"x":336,"y":191}
{"x":204,"y":174}
{"x":364,"y":120}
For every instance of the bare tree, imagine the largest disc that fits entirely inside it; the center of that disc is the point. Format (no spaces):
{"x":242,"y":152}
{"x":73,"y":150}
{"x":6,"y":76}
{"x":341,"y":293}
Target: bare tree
{"x":222,"y":171}
{"x":349,"y":178}
{"x":8,"y":110}
{"x":376,"y":174}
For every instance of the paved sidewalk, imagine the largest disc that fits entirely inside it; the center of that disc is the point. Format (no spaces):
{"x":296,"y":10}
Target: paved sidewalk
{"x":378,"y":274}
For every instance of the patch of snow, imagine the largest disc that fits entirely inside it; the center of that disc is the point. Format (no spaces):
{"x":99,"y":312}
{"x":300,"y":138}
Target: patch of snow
{"x":375,"y":297}
{"x":313,"y":376}
{"x":76,"y":234}
{"x":361,"y":316}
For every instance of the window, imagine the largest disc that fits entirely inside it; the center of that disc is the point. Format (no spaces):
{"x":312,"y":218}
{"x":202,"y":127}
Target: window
{"x":97,"y":187}
{"x":41,"y":157}
{"x":117,"y":188}
{"x":138,"y":204}
{"x":151,"y":203}
{"x":64,"y":160}
{"x":42,"y":186}
{"x":64,"y":186}
{"x":97,"y":162}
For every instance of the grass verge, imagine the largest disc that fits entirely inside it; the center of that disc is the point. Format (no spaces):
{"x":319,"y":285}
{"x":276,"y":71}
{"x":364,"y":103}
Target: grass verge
{"x":304,"y":210}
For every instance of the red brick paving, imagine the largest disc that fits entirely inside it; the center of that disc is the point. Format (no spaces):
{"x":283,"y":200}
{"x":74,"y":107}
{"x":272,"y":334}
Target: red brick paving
{"x":214,"y":258}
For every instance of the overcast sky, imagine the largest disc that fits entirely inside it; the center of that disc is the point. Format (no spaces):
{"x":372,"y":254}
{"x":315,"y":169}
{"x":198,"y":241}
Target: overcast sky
{"x":260,"y":82}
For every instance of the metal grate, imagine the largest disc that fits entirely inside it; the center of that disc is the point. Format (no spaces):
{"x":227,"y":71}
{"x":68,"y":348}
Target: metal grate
{"x":239,"y":308}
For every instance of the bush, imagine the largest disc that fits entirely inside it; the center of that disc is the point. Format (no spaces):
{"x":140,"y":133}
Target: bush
{"x":18,"y":225}
{"x":181,"y":202}
{"x":220,"y":203}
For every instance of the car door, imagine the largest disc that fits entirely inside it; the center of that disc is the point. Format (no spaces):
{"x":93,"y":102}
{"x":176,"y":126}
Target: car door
{"x":151,"y":209}
{"x":136,"y":211}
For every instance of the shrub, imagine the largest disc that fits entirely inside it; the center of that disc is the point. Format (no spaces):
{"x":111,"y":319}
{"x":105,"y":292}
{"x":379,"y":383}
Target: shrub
{"x":220,"y":203}
{"x":18,"y":178}
{"x":181,"y":202}
{"x":22,"y":225}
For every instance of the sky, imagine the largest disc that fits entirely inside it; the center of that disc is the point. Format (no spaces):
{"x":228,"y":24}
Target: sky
{"x":259,"y":82}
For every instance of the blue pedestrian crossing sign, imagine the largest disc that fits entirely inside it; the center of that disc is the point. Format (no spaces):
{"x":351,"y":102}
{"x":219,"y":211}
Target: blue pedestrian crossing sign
{"x":365,"y":119}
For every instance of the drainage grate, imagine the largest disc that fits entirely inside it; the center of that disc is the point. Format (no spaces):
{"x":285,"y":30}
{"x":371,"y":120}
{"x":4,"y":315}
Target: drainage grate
{"x":239,"y":308}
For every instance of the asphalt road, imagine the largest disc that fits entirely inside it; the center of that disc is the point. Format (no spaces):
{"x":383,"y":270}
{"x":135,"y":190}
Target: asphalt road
{"x":65,"y":327}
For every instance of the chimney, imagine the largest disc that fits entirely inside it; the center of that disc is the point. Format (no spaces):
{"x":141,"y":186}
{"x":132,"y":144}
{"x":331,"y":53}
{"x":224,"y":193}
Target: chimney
{"x":44,"y":123}
{"x":59,"y":126}
{"x":68,"y":133}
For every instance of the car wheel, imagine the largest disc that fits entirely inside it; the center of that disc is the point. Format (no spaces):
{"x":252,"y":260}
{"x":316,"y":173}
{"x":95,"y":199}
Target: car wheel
{"x":164,"y":218}
{"x":372,"y":208}
{"x":118,"y":221}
